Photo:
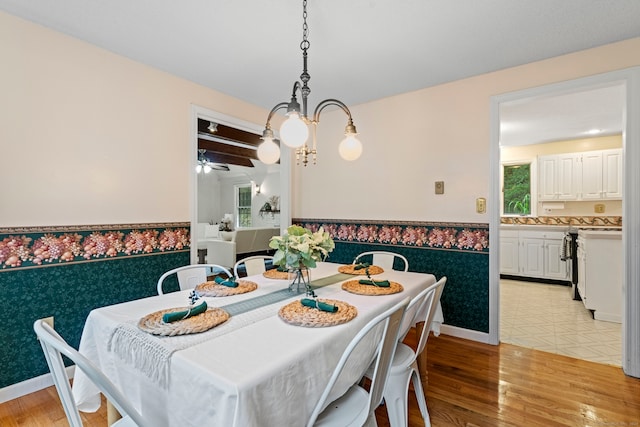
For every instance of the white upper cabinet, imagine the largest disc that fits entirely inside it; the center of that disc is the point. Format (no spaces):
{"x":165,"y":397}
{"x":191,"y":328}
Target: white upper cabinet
{"x":559,"y":177}
{"x":592,"y":175}
{"x":612,"y":177}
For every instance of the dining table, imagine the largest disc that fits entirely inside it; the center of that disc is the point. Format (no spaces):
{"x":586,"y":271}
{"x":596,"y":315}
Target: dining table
{"x":256,"y":368}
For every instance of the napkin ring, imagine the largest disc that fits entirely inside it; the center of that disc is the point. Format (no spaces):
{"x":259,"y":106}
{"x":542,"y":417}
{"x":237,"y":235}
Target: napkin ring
{"x":186,"y":316}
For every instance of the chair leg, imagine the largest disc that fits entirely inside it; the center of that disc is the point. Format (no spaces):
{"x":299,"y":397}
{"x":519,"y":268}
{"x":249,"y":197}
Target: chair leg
{"x":395,"y":398}
{"x":422,"y":402}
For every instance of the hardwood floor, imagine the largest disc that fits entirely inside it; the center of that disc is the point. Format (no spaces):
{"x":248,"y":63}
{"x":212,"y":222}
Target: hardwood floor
{"x":470,"y":384}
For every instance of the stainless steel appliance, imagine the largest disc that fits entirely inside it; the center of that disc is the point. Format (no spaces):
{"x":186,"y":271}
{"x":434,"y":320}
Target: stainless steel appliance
{"x":570,"y":253}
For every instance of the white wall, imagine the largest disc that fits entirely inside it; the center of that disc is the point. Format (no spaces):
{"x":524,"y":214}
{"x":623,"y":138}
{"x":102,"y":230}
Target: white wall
{"x":90,"y":137}
{"x":434,"y":134}
{"x":110,"y":138}
{"x":208,"y":195}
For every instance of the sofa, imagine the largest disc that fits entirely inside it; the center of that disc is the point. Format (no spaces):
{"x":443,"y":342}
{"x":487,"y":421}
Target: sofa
{"x":244,"y":242}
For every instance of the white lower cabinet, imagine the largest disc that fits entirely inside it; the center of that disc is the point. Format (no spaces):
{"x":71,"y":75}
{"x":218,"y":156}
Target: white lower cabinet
{"x":532,"y":253}
{"x":600,"y":273}
{"x":509,"y":252}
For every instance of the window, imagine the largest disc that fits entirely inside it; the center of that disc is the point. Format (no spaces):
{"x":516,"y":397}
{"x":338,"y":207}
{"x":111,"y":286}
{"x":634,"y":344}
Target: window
{"x":516,"y":189}
{"x":243,"y":205}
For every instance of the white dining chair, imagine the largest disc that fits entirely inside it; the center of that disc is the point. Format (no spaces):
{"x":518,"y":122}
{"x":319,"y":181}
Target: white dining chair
{"x":383,"y":259}
{"x":357,"y":405}
{"x":404,"y":366}
{"x":253,"y":265}
{"x":54,"y":346}
{"x":190,"y":276}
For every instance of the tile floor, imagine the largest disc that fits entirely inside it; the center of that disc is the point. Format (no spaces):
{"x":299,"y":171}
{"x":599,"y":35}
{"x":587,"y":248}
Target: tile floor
{"x":546,"y":318}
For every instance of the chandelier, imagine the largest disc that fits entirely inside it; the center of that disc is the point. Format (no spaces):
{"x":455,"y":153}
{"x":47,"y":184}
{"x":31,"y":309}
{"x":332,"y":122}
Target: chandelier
{"x":294,"y":131}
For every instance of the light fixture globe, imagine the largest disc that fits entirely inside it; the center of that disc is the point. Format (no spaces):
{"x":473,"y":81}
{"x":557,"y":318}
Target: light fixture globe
{"x":294,"y":131}
{"x":268,"y":152}
{"x":350,"y":148}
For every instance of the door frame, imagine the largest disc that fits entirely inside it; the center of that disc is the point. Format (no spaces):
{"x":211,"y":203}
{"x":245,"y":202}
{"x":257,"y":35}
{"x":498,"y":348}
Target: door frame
{"x":198,"y":112}
{"x":630,"y":77}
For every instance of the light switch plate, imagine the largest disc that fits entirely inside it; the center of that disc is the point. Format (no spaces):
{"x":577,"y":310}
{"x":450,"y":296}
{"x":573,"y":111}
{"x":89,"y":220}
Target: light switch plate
{"x":439,"y":187}
{"x":481,"y":205}
{"x":599,"y":208}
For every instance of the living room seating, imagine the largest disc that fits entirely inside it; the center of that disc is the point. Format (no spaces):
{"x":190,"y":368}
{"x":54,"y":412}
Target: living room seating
{"x":245,"y":241}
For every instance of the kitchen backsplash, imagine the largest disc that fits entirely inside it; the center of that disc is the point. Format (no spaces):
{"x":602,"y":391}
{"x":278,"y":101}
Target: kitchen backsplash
{"x":588,"y":221}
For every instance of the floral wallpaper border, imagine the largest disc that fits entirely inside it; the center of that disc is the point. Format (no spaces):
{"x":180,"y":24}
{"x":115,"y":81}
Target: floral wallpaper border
{"x":453,"y":236}
{"x":589,"y":221}
{"x":25,"y":247}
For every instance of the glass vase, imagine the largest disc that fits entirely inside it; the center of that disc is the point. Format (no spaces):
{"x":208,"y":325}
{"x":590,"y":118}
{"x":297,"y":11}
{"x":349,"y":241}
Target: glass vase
{"x":300,"y":280}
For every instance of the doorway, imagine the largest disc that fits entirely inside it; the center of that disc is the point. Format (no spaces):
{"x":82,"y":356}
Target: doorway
{"x":631,"y":207}
{"x":257,"y":177}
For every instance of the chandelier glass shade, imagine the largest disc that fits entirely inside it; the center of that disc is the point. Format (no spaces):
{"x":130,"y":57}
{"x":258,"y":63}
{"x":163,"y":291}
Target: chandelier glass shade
{"x":294,"y":131}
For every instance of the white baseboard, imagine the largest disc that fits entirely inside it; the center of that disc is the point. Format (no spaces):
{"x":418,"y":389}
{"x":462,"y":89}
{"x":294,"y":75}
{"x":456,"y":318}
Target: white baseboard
{"x":29,"y":386}
{"x":607,"y":317}
{"x":467,"y":334}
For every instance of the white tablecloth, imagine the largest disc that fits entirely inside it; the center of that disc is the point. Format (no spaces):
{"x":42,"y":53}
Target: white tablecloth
{"x":258,"y":371}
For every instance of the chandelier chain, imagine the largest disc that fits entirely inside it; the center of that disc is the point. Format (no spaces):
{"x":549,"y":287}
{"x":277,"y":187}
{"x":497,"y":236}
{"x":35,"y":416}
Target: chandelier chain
{"x":304,"y":44}
{"x":297,"y":124}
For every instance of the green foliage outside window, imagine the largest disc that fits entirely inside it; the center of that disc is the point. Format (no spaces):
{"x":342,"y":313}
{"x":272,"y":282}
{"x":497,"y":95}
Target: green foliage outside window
{"x":244,"y":206}
{"x":517,"y":189}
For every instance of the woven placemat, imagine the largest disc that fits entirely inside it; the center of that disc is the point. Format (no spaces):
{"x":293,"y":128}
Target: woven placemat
{"x":297,"y":314}
{"x":281,"y":275}
{"x":212,"y":289}
{"x":356,"y":288}
{"x":275,"y":274}
{"x":350,"y":269}
{"x":153,"y":324}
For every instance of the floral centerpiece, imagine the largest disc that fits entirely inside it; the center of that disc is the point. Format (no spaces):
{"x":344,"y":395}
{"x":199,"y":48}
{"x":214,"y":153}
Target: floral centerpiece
{"x":300,"y":247}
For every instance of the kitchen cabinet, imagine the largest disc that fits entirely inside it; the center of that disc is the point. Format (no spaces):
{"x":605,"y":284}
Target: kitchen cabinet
{"x":532,"y":253}
{"x":612,"y":177}
{"x":600,"y":273}
{"x":509,"y":252}
{"x":591,"y":175}
{"x":559,"y":177}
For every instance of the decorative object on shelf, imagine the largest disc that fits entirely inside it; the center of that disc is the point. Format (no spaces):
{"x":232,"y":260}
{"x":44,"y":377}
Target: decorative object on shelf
{"x":274,"y":201}
{"x":294,"y":131}
{"x":268,"y":208}
{"x":298,"y":250}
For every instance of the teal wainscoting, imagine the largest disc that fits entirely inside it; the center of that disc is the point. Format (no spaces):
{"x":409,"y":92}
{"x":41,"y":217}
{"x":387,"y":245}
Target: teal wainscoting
{"x":458,"y":251}
{"x":69,"y":288}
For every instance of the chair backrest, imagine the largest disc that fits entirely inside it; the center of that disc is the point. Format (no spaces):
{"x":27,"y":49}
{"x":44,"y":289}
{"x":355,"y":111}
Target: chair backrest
{"x":390,"y":320}
{"x":253,"y":265}
{"x":54,"y":346}
{"x":383,"y":259}
{"x":190,"y":276}
{"x":426,"y":309}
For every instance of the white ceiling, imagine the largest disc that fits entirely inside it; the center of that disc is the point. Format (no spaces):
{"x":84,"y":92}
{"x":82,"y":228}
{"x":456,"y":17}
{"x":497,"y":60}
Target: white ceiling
{"x":361,"y":50}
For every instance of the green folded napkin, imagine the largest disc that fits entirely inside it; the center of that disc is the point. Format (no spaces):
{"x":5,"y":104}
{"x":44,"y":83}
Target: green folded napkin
{"x":228,"y":282}
{"x":361,"y":265}
{"x":179,"y":315}
{"x":319,"y":305}
{"x":379,"y":283}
